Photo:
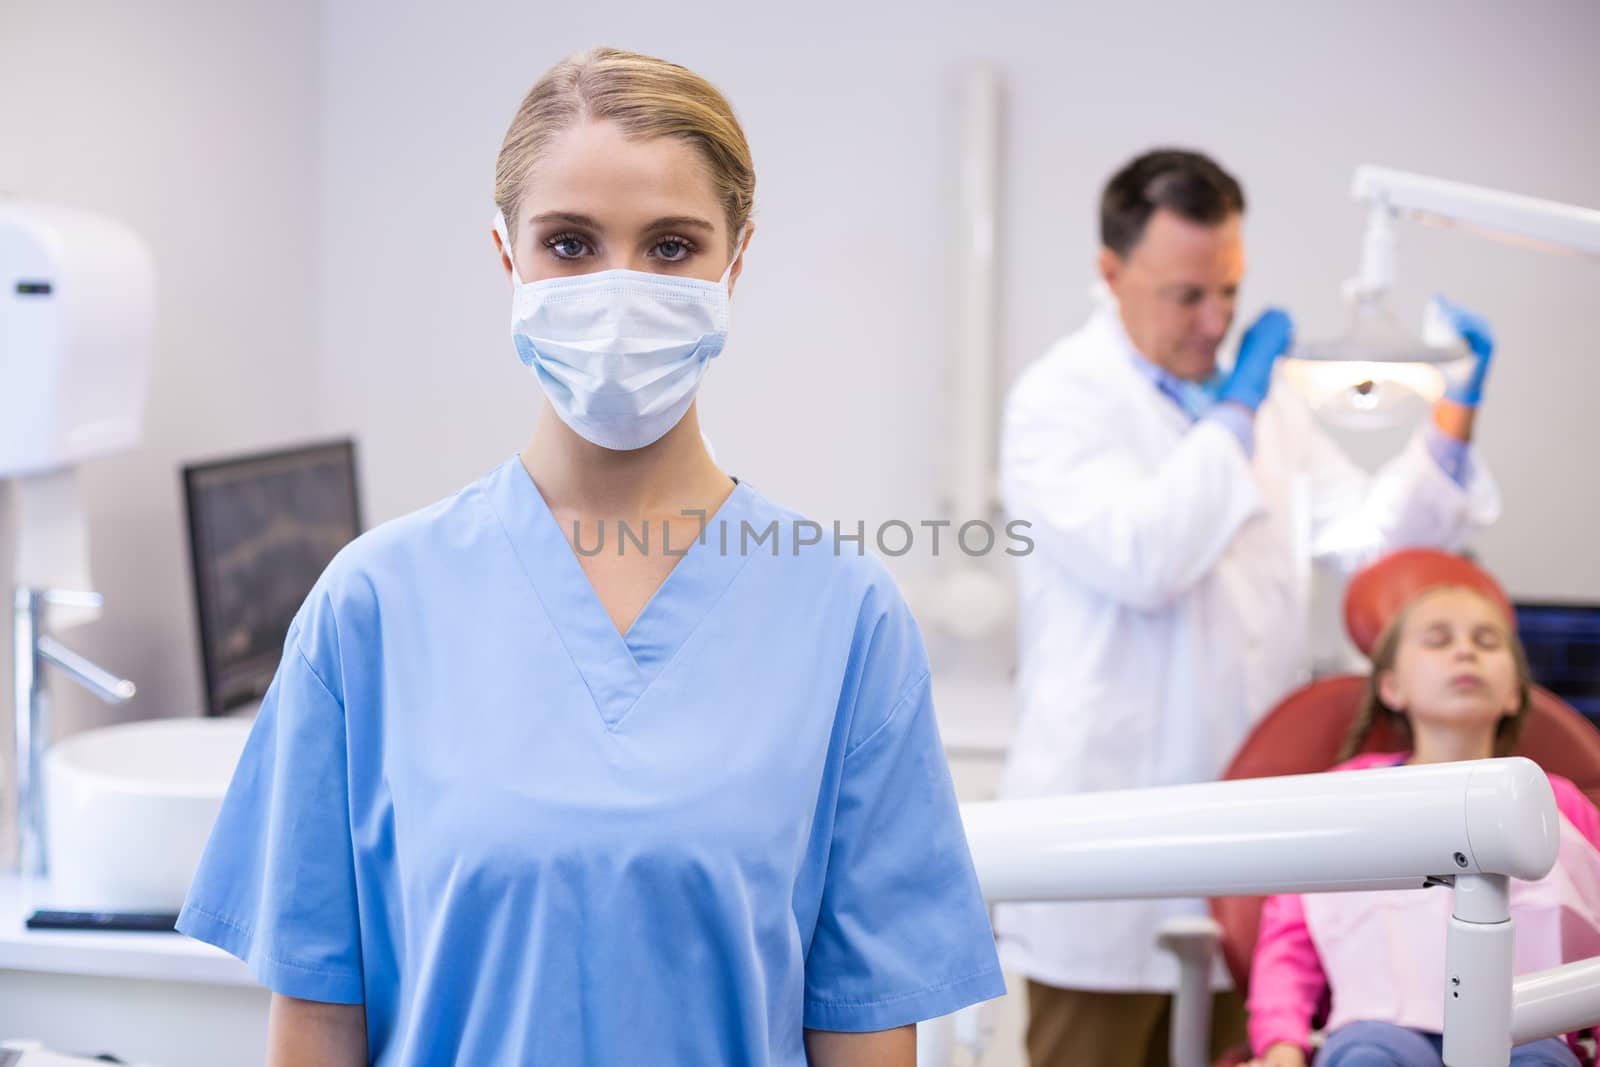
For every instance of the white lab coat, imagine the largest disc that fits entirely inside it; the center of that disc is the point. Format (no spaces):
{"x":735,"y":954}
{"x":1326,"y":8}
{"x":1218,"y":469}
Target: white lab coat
{"x":1164,"y":606}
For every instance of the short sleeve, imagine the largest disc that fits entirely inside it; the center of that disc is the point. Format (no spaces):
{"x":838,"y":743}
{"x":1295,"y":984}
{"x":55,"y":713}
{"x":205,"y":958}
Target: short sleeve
{"x":276,"y":885}
{"x":903,"y":934}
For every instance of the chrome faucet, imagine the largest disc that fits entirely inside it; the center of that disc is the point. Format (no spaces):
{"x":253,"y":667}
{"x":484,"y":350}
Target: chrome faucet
{"x":31,"y":649}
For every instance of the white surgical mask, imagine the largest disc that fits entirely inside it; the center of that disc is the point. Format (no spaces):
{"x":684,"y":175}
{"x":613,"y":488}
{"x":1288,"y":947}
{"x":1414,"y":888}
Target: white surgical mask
{"x":620,"y":353}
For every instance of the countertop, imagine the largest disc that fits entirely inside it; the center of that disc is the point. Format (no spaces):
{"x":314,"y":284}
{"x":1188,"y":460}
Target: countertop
{"x":152,"y":956}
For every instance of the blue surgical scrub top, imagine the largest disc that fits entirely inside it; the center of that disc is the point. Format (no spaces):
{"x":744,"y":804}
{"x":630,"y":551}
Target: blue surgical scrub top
{"x":518,"y":836}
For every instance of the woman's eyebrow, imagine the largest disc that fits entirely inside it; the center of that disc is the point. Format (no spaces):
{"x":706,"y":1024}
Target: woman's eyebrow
{"x":569,"y":217}
{"x":680,"y":222}
{"x":666,"y":222}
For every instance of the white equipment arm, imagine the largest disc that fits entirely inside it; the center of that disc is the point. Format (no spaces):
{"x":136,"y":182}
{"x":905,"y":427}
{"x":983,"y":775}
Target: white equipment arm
{"x":1470,"y":825}
{"x":1380,"y":829}
{"x":1563,"y":227}
{"x":1393,"y":194}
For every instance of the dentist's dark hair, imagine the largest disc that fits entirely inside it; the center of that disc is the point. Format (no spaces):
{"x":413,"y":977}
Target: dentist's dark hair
{"x":1186,"y":183}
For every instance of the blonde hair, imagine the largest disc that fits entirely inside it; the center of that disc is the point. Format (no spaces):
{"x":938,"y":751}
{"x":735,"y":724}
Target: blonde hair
{"x":646,"y":97}
{"x":1374,"y":712}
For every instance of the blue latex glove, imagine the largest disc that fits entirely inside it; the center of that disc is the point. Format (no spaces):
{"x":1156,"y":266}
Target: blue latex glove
{"x":1475,"y":331}
{"x":1266,"y":339}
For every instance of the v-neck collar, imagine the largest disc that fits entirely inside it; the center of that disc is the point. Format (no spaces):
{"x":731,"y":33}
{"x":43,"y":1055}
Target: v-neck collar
{"x":617,"y":668}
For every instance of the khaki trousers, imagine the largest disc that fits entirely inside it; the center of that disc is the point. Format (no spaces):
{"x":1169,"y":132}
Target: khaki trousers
{"x":1085,"y":1028}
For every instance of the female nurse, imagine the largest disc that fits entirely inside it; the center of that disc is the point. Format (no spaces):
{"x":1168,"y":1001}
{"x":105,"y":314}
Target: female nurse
{"x":600,"y":760}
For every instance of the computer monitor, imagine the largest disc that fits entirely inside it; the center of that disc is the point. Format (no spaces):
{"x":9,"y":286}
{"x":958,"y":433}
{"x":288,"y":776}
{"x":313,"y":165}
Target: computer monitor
{"x":261,"y":530}
{"x":1563,"y":643}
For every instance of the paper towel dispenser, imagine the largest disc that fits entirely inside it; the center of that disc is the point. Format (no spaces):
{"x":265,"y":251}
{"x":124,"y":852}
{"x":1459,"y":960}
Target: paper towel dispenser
{"x":77,"y":317}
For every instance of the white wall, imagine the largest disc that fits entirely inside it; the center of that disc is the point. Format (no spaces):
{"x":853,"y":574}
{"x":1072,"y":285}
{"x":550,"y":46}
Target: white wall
{"x":825,"y":396}
{"x":195,"y":123}
{"x":315,"y":179}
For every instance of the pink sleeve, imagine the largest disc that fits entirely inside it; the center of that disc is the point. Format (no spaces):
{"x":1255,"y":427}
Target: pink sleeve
{"x":1578,"y":809}
{"x":1286,"y":978}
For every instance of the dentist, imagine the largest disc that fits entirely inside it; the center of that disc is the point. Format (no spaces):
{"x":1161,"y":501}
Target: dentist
{"x":1176,"y":513}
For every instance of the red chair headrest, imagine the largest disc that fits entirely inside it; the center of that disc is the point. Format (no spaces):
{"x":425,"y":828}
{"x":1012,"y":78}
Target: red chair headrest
{"x":1376,"y":595}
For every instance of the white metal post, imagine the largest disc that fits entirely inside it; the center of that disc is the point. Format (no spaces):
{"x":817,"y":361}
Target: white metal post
{"x":31,"y":710}
{"x":1479,"y":949}
{"x":1193,"y":940}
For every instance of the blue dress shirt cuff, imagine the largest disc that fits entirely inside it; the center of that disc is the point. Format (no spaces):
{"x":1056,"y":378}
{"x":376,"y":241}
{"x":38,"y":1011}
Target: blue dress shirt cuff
{"x":1453,"y":456}
{"x":1239,"y":421}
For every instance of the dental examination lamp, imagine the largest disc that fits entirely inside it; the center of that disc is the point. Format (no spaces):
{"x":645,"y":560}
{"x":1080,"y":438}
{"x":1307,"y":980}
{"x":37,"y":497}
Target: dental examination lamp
{"x":77,"y":315}
{"x":1372,"y":373}
{"x":1468,"y":826}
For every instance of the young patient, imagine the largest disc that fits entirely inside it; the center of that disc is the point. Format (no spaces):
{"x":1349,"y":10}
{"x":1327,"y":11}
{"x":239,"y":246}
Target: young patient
{"x":1449,"y":674}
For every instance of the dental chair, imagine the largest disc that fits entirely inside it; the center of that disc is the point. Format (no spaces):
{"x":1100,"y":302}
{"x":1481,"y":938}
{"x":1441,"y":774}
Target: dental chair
{"x":1305,"y":732}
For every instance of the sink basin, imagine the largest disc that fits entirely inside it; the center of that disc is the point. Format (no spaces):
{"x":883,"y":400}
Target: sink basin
{"x":128,"y":809}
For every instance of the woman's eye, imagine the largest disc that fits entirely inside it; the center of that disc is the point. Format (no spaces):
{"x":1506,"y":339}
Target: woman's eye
{"x":566,"y":246}
{"x":672,"y":250}
{"x":1488,"y":639}
{"x":1435,"y":637}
